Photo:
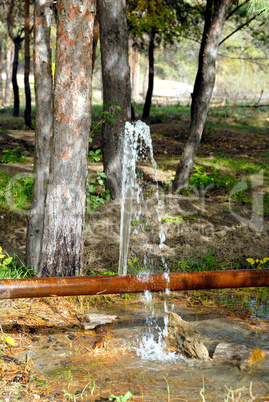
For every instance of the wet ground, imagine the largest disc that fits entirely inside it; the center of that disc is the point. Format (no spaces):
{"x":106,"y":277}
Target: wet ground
{"x":91,"y":365}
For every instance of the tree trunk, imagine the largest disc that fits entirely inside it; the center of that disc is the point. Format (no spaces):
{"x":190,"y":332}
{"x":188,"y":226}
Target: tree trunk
{"x":216,"y":12}
{"x":135,"y":71}
{"x":1,"y":82}
{"x":146,"y":80}
{"x":116,"y":87}
{"x":96,"y":30}
{"x":27,"y":111}
{"x":62,"y":241}
{"x":136,"y":75}
{"x":43,"y":128}
{"x":147,"y":104}
{"x":17,"y":45}
{"x":131,"y":58}
{"x":9,"y":62}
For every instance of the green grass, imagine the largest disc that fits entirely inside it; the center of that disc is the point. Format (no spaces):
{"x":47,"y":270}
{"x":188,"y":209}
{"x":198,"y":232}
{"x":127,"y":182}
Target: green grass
{"x":13,"y":267}
{"x":206,"y":262}
{"x":8,"y":122}
{"x":235,"y":165}
{"x":15,"y":155}
{"x":4,"y":180}
{"x":15,"y":192}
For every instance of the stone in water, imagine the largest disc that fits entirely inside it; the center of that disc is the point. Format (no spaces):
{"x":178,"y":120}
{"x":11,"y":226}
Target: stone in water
{"x":93,"y":320}
{"x":182,"y":339}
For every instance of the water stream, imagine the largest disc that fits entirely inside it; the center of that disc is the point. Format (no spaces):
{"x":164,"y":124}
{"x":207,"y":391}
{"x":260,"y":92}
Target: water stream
{"x":137,"y":146}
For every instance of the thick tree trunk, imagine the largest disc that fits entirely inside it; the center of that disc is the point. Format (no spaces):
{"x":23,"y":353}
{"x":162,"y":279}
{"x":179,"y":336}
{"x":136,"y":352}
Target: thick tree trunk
{"x":17,"y":45}
{"x":116,"y":87}
{"x":216,"y":12}
{"x":147,"y":104}
{"x":27,"y":111}
{"x":43,"y":128}
{"x":9,"y":61}
{"x":62,"y":242}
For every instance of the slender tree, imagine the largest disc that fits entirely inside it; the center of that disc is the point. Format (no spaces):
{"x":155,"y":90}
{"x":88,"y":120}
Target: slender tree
{"x":62,"y":240}
{"x":96,"y":30}
{"x":147,"y":103}
{"x":27,"y":111}
{"x":1,"y":82}
{"x":43,"y":127}
{"x":116,"y":87}
{"x":134,"y":71}
{"x":155,"y":21}
{"x":17,"y":38}
{"x":216,"y":12}
{"x":9,"y":61}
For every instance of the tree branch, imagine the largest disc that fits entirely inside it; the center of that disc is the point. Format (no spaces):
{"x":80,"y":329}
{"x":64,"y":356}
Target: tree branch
{"x":249,"y":59}
{"x":240,"y":27}
{"x":9,"y":20}
{"x":236,"y":9}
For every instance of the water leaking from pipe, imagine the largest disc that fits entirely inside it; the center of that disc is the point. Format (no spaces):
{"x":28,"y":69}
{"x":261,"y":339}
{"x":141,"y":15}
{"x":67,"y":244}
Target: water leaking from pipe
{"x":98,"y":285}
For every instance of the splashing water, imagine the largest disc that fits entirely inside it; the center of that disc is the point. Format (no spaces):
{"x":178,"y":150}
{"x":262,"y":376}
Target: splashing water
{"x":137,"y":139}
{"x":152,"y":347}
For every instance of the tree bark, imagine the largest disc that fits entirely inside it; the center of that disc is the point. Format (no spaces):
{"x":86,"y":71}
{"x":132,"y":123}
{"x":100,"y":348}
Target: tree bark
{"x":135,"y":74}
{"x":147,"y":104}
{"x":216,"y":12}
{"x":62,"y":241}
{"x":27,"y":111}
{"x":9,"y":61}
{"x":146,"y":80}
{"x":96,"y":31}
{"x":116,"y":87}
{"x":43,"y":128}
{"x":17,"y":45}
{"x":1,"y":82}
{"x":17,"y":40}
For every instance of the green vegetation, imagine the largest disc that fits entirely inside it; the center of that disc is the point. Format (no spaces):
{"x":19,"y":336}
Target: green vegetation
{"x":13,"y":267}
{"x":121,"y":398}
{"x":15,"y":155}
{"x":15,"y":192}
{"x":95,"y":198}
{"x":18,"y":193}
{"x":8,"y":122}
{"x":257,"y":263}
{"x":206,"y":262}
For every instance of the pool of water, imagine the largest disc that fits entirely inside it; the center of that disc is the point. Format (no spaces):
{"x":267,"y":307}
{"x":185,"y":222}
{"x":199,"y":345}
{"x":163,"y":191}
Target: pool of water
{"x":98,"y":365}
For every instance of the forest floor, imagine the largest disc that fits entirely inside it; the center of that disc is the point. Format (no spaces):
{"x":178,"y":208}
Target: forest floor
{"x":205,"y":221}
{"x":204,"y":229}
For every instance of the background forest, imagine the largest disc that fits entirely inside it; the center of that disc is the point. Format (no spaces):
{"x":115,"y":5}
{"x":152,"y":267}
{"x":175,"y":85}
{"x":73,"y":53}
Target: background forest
{"x":242,"y":62}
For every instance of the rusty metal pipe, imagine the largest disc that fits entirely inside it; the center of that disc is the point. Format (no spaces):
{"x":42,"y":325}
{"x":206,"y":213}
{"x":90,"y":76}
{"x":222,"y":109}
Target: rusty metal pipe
{"x":98,"y":285}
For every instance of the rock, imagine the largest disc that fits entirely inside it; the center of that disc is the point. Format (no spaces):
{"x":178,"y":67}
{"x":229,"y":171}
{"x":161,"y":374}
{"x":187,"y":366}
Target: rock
{"x":182,"y":339}
{"x":94,"y":320}
{"x":221,"y":233}
{"x":232,"y":351}
{"x":239,"y":354}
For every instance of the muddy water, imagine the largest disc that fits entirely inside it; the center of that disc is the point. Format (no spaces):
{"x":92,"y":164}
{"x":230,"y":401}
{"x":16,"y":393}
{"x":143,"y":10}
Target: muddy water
{"x":99,"y":365}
